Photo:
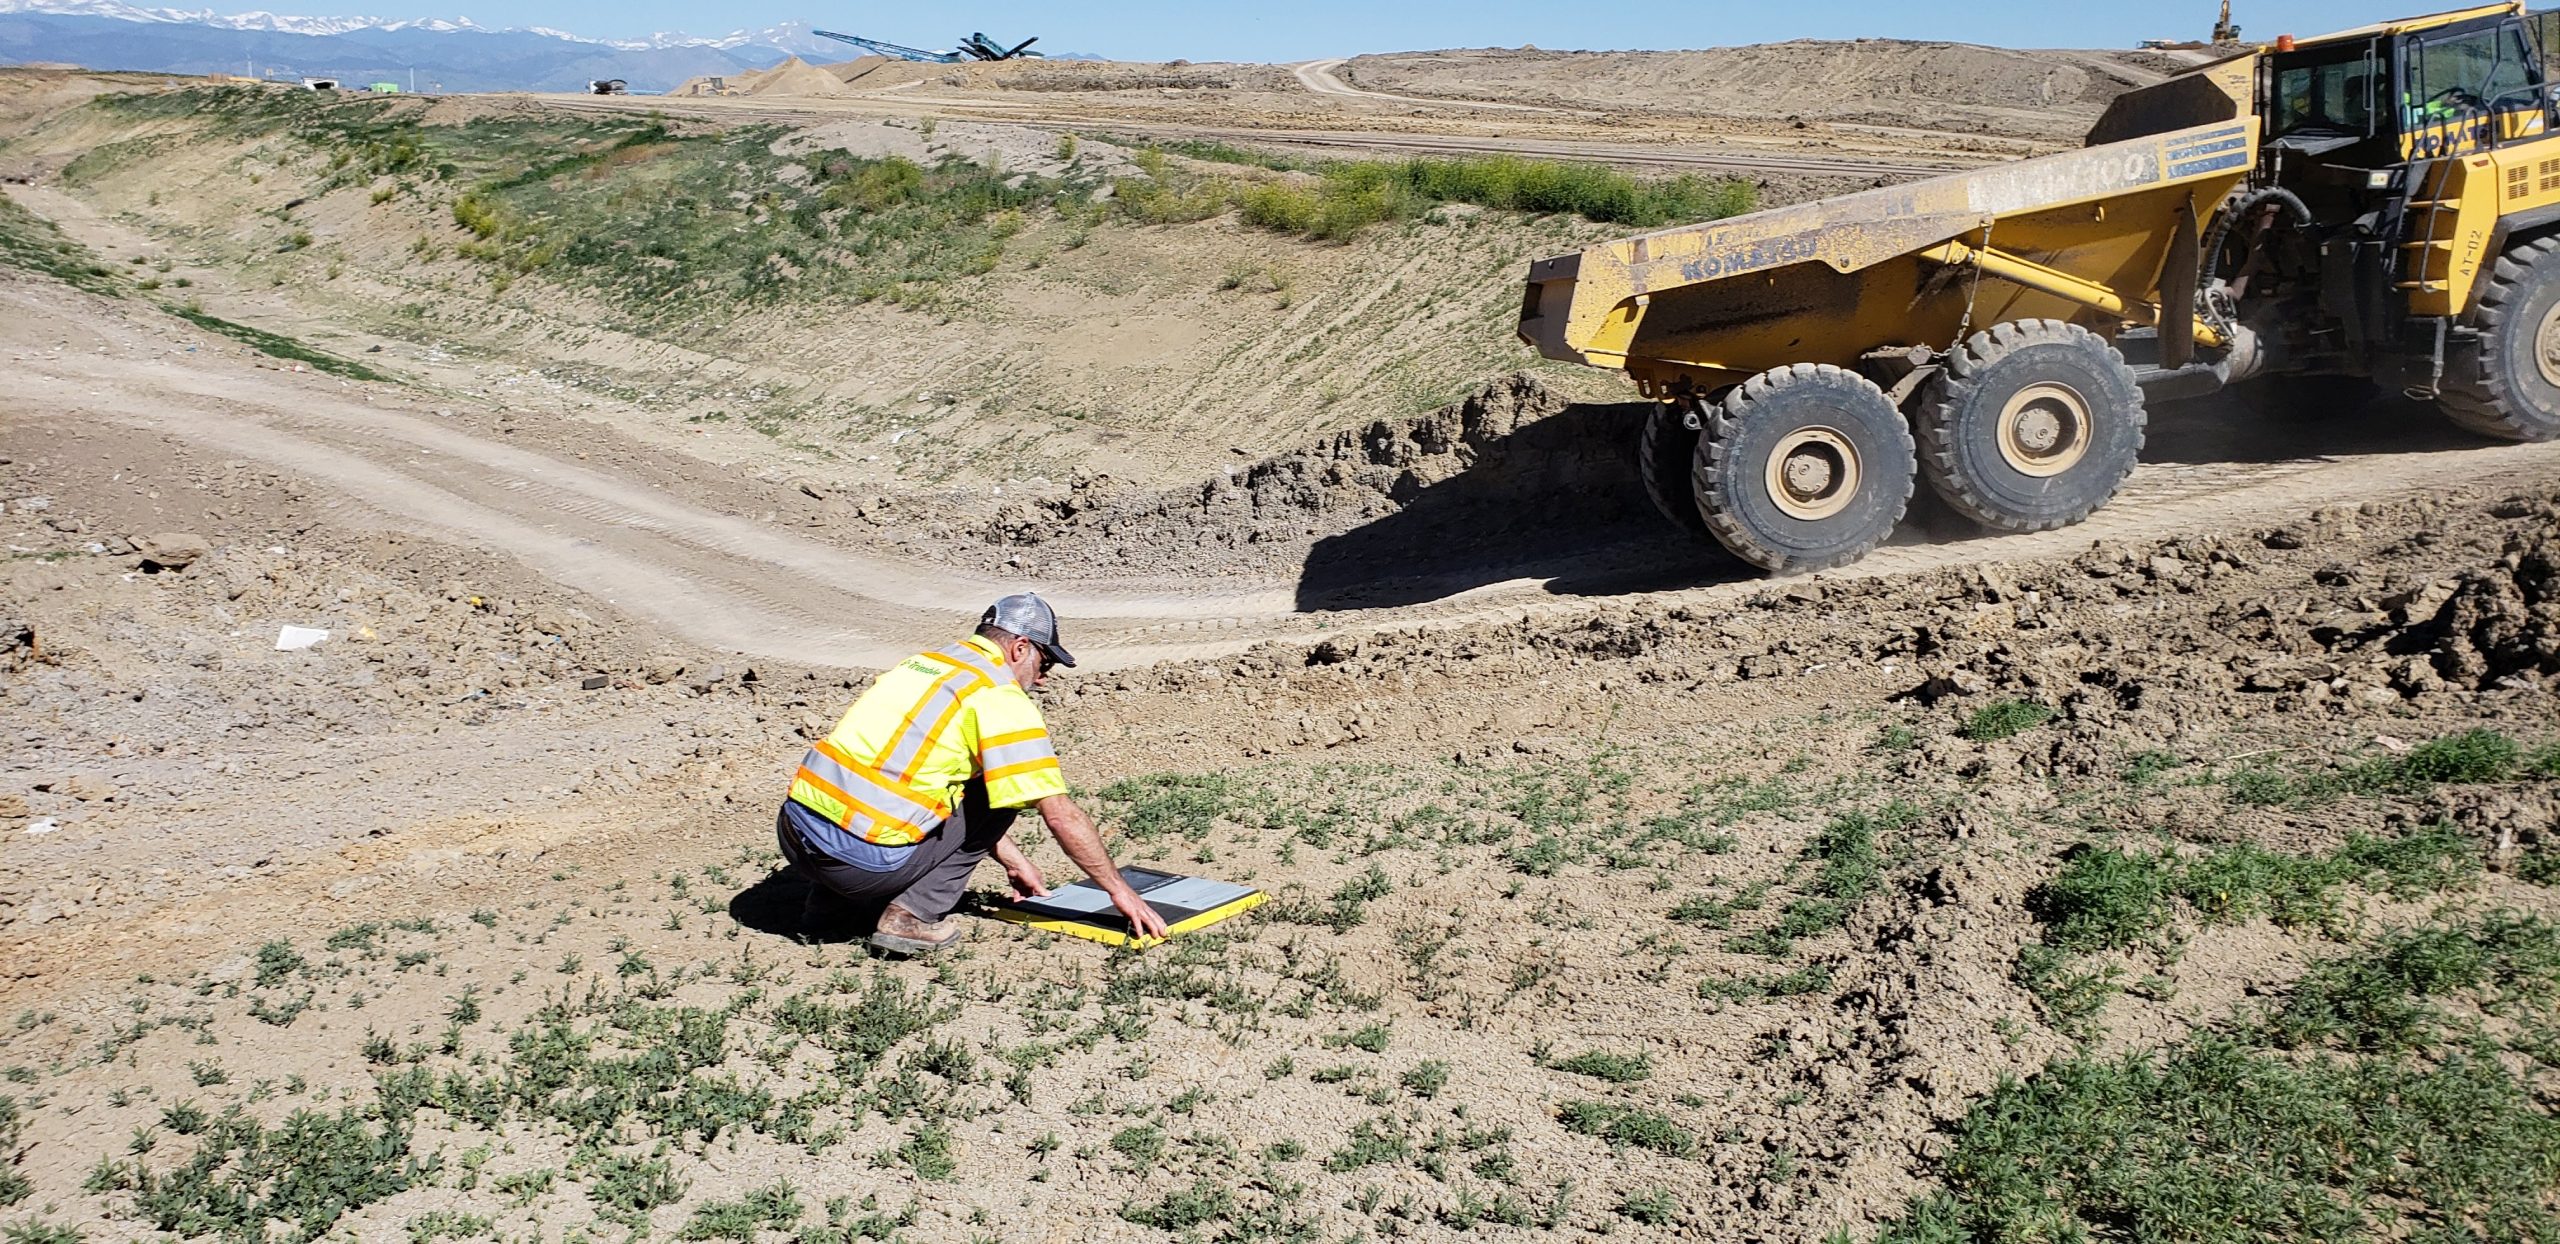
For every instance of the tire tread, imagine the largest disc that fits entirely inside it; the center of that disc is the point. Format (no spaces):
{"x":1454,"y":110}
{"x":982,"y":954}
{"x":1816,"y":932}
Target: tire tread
{"x":1935,"y":423}
{"x":2472,"y":394}
{"x":1666,"y":479}
{"x":1716,"y":507}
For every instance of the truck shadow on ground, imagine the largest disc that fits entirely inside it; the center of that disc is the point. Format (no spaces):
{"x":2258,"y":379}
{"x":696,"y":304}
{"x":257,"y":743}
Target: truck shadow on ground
{"x":2221,"y":429}
{"x":1557,"y":499}
{"x":1560,"y":500}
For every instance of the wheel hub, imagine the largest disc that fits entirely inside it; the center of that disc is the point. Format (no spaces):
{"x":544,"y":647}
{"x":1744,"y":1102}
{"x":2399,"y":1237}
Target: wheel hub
{"x":2546,"y":346}
{"x":1813,"y":473}
{"x":2045,"y":429}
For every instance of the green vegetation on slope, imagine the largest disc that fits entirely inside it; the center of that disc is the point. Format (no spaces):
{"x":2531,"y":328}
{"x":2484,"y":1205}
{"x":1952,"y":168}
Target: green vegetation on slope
{"x":2441,"y":1133}
{"x":30,"y":242}
{"x":676,"y":225}
{"x":277,"y":346}
{"x":1352,"y":195}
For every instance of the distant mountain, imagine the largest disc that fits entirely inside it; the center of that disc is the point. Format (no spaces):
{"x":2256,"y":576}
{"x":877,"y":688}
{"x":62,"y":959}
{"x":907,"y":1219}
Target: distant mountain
{"x":445,"y":55}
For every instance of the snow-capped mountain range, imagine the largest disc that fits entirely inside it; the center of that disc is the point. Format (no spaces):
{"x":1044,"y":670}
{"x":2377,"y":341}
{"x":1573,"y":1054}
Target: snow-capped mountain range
{"x":792,"y":37}
{"x":430,"y":54}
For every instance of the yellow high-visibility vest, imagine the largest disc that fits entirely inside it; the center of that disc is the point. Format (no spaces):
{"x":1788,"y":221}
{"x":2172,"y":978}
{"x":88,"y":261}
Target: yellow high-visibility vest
{"x":895,"y":764}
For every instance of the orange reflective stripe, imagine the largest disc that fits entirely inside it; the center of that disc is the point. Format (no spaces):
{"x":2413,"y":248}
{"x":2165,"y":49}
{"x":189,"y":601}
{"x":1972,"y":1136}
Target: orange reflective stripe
{"x":1004,"y":758}
{"x":805,"y":792}
{"x":1016,"y":736}
{"x":884,"y":829}
{"x":906,"y":724}
{"x":832,"y":752}
{"x":830,"y":790}
{"x":1046,"y":762}
{"x":835,"y":753}
{"x":912,"y":749}
{"x":933,"y":736}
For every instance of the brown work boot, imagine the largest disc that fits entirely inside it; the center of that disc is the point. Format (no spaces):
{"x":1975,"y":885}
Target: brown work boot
{"x":906,"y":933}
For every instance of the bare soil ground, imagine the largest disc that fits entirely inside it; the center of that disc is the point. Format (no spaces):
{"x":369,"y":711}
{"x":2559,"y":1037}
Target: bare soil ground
{"x":1912,"y":87}
{"x":1614,"y":892}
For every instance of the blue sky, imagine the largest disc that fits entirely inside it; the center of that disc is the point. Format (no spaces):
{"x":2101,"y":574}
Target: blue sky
{"x":1300,"y":29}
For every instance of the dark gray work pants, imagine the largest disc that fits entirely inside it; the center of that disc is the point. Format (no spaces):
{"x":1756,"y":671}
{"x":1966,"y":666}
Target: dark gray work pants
{"x":936,"y":872}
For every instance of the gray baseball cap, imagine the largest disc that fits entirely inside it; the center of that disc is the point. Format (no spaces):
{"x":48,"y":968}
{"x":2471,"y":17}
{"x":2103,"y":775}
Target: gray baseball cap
{"x":1025,"y":614}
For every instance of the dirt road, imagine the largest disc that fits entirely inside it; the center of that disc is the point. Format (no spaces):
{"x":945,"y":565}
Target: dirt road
{"x":736,"y":583}
{"x":1774,"y":156}
{"x":1319,"y":76}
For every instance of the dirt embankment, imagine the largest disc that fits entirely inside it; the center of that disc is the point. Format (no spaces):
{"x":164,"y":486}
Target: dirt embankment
{"x":2046,"y":95}
{"x":1523,"y":458}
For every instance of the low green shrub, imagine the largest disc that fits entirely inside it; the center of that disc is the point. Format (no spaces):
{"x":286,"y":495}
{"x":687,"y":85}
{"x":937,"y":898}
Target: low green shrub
{"x":1621,"y":1124}
{"x":2002,"y":719}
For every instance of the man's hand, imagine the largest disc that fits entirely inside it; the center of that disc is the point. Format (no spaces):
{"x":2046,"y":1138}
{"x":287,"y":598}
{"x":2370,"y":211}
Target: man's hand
{"x":1083,"y":843}
{"x":1026,"y":879}
{"x":1143,"y":920}
{"x":1020,"y":871}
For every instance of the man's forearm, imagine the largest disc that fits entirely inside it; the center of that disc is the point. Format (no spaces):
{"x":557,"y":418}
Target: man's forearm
{"x":1008,"y":852}
{"x":1082,"y":842}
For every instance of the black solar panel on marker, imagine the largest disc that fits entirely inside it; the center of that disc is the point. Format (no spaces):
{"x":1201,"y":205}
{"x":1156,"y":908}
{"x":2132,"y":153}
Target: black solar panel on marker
{"x":1174,"y":897}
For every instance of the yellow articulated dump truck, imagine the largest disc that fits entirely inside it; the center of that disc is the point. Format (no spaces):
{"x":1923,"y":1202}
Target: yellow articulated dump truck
{"x":2379,"y":206}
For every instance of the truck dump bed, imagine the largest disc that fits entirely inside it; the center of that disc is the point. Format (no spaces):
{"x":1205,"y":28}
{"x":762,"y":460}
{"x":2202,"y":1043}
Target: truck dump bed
{"x":1703,"y":306}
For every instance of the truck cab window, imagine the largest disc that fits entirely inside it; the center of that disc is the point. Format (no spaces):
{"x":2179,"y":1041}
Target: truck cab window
{"x":2468,"y":73}
{"x":2331,"y":97}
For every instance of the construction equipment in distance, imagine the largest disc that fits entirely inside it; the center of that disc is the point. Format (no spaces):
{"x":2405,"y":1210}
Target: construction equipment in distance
{"x":608,"y":86}
{"x":2298,"y":223}
{"x":977,"y":47}
{"x":2223,"y":30}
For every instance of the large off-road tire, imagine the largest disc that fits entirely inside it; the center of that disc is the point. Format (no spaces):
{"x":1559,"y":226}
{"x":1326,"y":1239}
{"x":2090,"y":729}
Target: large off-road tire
{"x":1663,"y":453}
{"x":2032,"y":425}
{"x":2506,"y":383}
{"x":1802,"y":468}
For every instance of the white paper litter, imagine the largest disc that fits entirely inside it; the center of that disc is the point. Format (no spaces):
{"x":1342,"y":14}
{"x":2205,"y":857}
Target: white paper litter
{"x":297,"y":638}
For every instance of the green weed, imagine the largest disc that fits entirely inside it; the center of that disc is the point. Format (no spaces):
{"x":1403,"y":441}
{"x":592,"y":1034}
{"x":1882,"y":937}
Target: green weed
{"x":2380,"y":999}
{"x":1653,"y":1207}
{"x":1167,"y":803}
{"x":1628,"y":1125}
{"x":1426,"y":1078}
{"x":275,"y":346}
{"x":1812,"y":978}
{"x":775,"y":1208}
{"x":2002,"y":719}
{"x":2104,"y":898}
{"x":306,"y":1172}
{"x":1206,"y":1200}
{"x":1370,"y":1143}
{"x":2214,"y":1142}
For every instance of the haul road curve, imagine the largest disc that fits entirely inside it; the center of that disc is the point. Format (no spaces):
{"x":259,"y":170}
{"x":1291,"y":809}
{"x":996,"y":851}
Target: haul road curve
{"x":732,"y":583}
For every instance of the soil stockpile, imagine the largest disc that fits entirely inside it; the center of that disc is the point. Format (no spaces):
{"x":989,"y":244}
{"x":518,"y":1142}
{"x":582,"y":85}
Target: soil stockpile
{"x":796,"y":77}
{"x":1955,"y":86}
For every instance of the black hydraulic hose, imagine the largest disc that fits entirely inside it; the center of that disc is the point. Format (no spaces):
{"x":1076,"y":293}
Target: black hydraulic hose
{"x":2242,"y":207}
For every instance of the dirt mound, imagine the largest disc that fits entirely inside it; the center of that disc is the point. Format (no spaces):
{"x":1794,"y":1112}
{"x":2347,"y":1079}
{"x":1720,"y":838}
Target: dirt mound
{"x":848,"y":70}
{"x":2501,"y":626}
{"x":1513,"y":438}
{"x":796,"y":77}
{"x":2046,"y":94}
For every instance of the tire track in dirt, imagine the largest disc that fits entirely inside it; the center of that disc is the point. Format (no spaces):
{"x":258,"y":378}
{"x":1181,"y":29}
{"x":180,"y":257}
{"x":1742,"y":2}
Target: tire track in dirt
{"x":1319,"y":76}
{"x":732,"y":582}
{"x":1057,"y":119}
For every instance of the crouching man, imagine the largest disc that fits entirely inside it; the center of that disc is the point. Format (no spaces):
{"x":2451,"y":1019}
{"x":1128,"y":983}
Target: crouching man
{"x":921,"y":778}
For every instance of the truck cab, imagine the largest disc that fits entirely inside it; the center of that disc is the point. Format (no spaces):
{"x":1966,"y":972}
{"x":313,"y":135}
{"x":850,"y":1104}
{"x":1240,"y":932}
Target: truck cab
{"x":2398,"y":162}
